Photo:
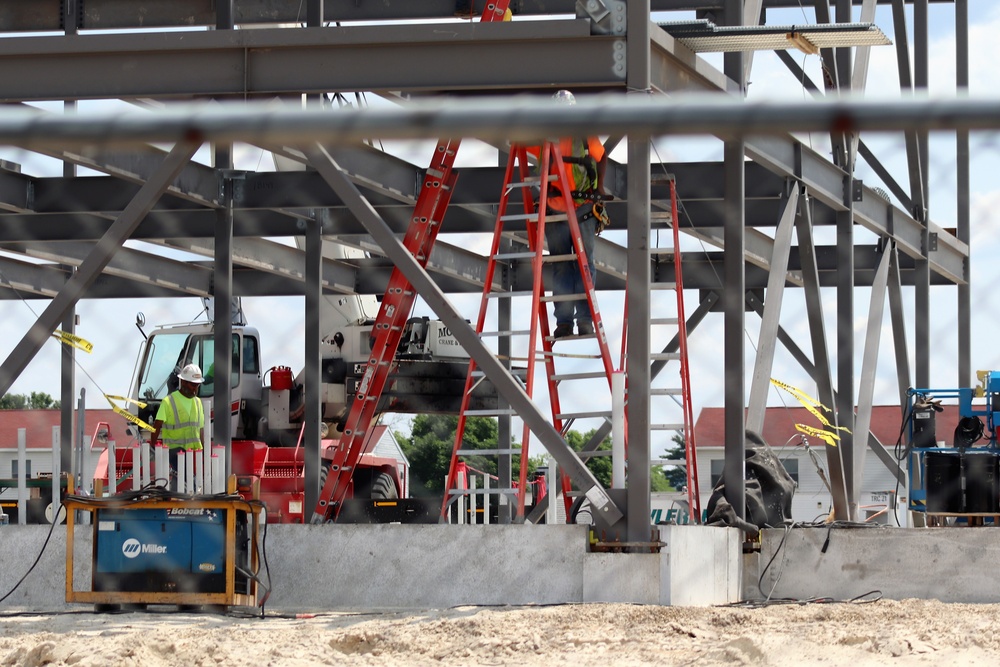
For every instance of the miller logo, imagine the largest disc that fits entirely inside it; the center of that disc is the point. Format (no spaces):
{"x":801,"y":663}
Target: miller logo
{"x":131,"y":548}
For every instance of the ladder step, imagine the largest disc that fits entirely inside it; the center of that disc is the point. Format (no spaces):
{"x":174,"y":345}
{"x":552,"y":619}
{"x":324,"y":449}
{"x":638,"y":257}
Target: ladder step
{"x":662,"y":251}
{"x":583,"y":415}
{"x":672,"y":321}
{"x":563,"y":297}
{"x":513,"y":255}
{"x":497,"y":295}
{"x":488,"y":452}
{"x":489,"y":413}
{"x":516,"y":372}
{"x":665,"y":356}
{"x":495,"y":334}
{"x":559,"y":258}
{"x":552,"y":339}
{"x":525,"y":217}
{"x":661,"y":179}
{"x":661,"y":216}
{"x":672,"y":391}
{"x":663,"y":286}
{"x":666,"y":427}
{"x":559,"y":377}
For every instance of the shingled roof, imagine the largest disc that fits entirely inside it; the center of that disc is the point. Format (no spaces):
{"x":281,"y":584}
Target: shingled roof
{"x":779,"y":424}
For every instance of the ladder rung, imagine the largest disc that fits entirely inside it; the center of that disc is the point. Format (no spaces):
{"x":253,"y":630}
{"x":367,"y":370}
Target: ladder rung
{"x":663,"y":286}
{"x":661,"y":179}
{"x":583,"y":415}
{"x":673,"y":321}
{"x":662,"y":251}
{"x":661,"y":216}
{"x":558,"y":258}
{"x":487,"y":452}
{"x":497,"y":295}
{"x":578,"y":376}
{"x":672,"y":391}
{"x":531,"y":181}
{"x":513,"y":255}
{"x":489,"y":413}
{"x":666,"y":427}
{"x":494,"y":334}
{"x":516,"y":372}
{"x":552,"y":339}
{"x":563,"y":297}
{"x":665,"y":356}
{"x":526,"y":217}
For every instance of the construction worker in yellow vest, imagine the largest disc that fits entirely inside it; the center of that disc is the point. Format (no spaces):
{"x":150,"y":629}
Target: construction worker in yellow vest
{"x":181,"y":417}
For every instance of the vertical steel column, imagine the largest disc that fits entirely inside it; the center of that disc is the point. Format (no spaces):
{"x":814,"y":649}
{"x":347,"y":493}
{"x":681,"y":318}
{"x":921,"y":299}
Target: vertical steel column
{"x":505,"y":438}
{"x":222,"y":397}
{"x":67,"y":383}
{"x":313,"y":293}
{"x":314,"y":13}
{"x":898,"y":319}
{"x":734,"y":471}
{"x":845,"y":292}
{"x":222,"y":425}
{"x":921,"y":268}
{"x":637,"y":282}
{"x":963,"y":209}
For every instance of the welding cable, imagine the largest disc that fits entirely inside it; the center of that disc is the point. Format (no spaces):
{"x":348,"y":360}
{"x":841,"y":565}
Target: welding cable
{"x":37,"y":559}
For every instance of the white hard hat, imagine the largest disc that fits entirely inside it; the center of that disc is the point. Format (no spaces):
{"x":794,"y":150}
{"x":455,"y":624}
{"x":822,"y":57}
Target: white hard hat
{"x":191,"y":373}
{"x":564,"y":96}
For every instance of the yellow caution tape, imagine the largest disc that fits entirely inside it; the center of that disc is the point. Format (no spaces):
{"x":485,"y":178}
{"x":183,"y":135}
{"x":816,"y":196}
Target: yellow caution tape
{"x":124,"y":399}
{"x":826,"y":436}
{"x":128,"y":416}
{"x":74,"y":340}
{"x":811,"y":404}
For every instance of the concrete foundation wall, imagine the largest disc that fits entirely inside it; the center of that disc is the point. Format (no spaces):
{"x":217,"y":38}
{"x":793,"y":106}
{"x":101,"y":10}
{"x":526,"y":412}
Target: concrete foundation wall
{"x":427,"y":566}
{"x":947,"y":564}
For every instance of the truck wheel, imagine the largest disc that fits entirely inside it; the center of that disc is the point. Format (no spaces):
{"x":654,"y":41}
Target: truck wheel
{"x":383,"y":487}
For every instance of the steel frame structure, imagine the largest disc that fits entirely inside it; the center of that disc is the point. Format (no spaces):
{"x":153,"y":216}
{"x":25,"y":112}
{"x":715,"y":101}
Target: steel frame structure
{"x":78,"y":225}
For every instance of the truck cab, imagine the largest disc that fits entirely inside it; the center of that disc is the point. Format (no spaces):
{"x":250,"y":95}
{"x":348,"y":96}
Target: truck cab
{"x":169,"y":349}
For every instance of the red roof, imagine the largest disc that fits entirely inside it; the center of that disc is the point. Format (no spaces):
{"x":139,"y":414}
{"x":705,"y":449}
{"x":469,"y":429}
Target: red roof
{"x":779,"y":424}
{"x":38,"y":426}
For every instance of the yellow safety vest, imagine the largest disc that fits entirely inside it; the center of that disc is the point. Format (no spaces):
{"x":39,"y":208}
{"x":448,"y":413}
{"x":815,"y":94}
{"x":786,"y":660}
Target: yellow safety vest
{"x":183,"y":419}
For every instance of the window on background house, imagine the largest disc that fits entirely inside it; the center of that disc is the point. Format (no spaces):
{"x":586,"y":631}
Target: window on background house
{"x":792,"y":468}
{"x":27,"y":469}
{"x":717,"y":466}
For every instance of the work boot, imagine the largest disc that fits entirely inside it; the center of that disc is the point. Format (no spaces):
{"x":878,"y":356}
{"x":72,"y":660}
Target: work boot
{"x":563,"y":329}
{"x":585,"y":327}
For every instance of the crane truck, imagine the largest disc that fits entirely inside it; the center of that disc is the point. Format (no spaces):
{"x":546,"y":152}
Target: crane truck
{"x":267,"y":405}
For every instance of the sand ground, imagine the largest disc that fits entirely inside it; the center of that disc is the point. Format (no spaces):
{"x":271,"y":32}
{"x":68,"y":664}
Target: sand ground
{"x":910,"y":632}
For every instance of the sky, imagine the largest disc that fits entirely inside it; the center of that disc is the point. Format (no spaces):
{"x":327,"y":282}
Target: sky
{"x":109,"y":324}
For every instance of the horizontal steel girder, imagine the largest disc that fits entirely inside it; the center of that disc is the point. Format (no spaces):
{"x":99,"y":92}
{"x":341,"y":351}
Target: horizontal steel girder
{"x":269,"y":62}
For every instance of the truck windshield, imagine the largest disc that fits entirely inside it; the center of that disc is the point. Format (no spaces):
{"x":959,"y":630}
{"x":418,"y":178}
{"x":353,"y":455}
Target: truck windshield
{"x":169,"y":352}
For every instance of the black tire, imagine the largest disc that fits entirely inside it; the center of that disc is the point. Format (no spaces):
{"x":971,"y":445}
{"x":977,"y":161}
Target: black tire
{"x":324,"y":472}
{"x":383,"y":488}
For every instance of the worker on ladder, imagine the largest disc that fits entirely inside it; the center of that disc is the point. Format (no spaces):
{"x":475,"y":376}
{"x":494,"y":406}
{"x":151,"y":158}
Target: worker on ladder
{"x":585,"y":161}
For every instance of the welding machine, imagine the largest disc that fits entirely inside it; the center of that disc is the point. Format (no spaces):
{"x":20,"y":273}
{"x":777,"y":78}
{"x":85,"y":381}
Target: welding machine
{"x":166,"y":550}
{"x":176,"y":549}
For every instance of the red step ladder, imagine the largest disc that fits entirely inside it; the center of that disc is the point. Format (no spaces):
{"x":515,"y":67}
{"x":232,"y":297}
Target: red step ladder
{"x":529,"y":226}
{"x":397,"y":304}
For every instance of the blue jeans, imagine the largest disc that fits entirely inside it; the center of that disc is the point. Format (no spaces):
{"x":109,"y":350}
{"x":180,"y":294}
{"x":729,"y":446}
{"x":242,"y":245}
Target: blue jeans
{"x":566,"y":278}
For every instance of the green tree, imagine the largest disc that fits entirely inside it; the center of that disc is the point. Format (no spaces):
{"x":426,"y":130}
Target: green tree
{"x":601,"y":465}
{"x":676,"y":477}
{"x":35,"y":401}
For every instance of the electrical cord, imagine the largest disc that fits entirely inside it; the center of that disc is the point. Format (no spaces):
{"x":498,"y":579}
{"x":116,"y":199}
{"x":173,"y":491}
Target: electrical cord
{"x":33,"y":565}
